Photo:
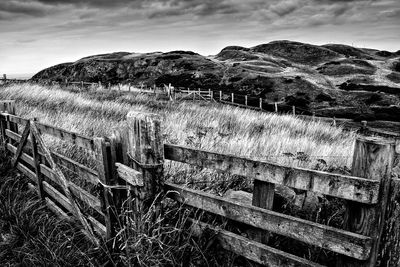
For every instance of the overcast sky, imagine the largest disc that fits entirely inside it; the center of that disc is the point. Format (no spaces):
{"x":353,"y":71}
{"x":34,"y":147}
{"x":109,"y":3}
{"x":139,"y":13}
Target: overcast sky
{"x":35,"y":34}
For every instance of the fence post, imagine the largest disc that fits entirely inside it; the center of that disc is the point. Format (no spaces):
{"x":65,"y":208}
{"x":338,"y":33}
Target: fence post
{"x":146,"y":152}
{"x":220,"y":95}
{"x":294,"y":110}
{"x":372,"y":159}
{"x":245,"y":100}
{"x":390,"y":248}
{"x":263,"y":197}
{"x":233,"y":99}
{"x":334,"y":121}
{"x":105,"y":171}
{"x":7,"y":106}
{"x":81,"y":85}
{"x":276,"y":107}
{"x":260,"y":103}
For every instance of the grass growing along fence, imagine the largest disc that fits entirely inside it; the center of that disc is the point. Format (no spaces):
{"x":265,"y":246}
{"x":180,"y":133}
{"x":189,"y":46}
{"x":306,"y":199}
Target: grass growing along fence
{"x":279,"y":138}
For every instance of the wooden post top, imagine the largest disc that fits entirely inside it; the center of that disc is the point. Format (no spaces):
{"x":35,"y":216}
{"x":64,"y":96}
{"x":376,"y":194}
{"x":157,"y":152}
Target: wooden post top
{"x":142,"y":115}
{"x":375,"y":140}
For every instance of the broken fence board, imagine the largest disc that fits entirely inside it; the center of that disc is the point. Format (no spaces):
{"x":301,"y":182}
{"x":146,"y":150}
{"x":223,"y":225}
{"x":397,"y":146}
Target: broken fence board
{"x":336,"y":185}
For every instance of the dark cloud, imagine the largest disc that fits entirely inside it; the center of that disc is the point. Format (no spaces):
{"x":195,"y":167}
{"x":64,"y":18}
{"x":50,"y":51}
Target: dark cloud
{"x":284,"y":8}
{"x":30,"y":8}
{"x":95,"y":3}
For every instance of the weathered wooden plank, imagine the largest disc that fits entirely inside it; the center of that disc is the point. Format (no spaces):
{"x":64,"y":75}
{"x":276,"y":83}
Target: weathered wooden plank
{"x":97,"y":226}
{"x":54,"y":208}
{"x":36,"y":159}
{"x":373,"y":159}
{"x":341,"y":186}
{"x":57,"y":196}
{"x":78,"y":192}
{"x":84,"y":172}
{"x":263,"y":197}
{"x":257,"y":252}
{"x":75,"y":138}
{"x":18,"y":120}
{"x":390,"y":245}
{"x":21,"y":145}
{"x":27,"y":172}
{"x":131,"y":176}
{"x":340,"y":241}
{"x":81,"y":170}
{"x":104,"y":168}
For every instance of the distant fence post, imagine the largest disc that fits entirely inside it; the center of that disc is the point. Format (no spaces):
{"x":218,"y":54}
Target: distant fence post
{"x":146,"y":152}
{"x":220,"y":95}
{"x":245,"y":100}
{"x":372,"y":159}
{"x":276,"y":107}
{"x":233,"y":98}
{"x":294,"y":110}
{"x":261,"y":103}
{"x":334,"y":121}
{"x":5,"y":77}
{"x":81,"y":85}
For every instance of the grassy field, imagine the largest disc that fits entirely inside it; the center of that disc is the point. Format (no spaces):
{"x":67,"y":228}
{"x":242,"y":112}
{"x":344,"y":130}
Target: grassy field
{"x":278,"y":138}
{"x":282,"y":139}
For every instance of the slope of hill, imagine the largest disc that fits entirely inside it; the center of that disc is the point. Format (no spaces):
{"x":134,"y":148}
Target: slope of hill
{"x":336,"y":79}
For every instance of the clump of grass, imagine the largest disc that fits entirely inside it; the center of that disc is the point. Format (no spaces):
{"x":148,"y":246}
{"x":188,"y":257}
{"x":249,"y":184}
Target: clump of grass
{"x":32,"y":236}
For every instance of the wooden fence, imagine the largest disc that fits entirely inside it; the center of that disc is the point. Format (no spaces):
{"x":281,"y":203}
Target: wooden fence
{"x":132,"y":161}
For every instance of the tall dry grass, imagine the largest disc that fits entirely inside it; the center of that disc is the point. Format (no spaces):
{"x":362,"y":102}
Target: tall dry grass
{"x":283,"y":139}
{"x":265,"y":136}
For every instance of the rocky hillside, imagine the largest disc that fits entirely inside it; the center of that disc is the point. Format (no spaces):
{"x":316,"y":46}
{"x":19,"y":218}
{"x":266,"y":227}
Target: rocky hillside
{"x":332,"y":79}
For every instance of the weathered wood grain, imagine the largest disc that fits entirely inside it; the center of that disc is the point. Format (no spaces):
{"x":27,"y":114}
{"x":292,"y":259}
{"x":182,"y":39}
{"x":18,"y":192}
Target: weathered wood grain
{"x":341,"y":186}
{"x":390,"y":245}
{"x":263,"y":197}
{"x":74,"y":138}
{"x":36,"y":159}
{"x":104,"y":169}
{"x":257,"y":252}
{"x":78,"y":192}
{"x":82,"y":171}
{"x":144,"y":145}
{"x":18,"y":120}
{"x":129,"y":175}
{"x":21,"y":145}
{"x":63,"y":182}
{"x":340,"y":241}
{"x":373,"y":159}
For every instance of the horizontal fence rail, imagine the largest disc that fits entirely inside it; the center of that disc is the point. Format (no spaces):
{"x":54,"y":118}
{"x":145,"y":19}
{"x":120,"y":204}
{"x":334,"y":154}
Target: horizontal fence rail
{"x":340,"y":241}
{"x":342,"y":186}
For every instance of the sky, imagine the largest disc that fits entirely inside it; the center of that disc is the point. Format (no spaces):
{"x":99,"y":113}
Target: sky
{"x":35,"y":34}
